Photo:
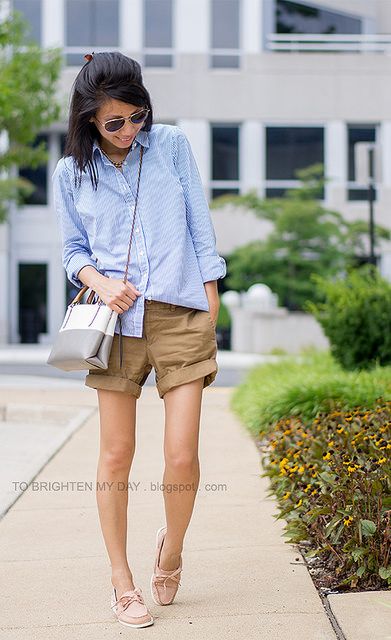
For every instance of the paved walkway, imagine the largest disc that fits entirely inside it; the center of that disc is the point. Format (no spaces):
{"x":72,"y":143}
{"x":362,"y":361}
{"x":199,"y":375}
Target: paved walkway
{"x":240,"y":579}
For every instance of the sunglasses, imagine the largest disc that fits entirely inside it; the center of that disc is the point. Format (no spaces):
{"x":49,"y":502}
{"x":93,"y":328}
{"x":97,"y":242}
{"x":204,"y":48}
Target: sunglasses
{"x":117,"y":123}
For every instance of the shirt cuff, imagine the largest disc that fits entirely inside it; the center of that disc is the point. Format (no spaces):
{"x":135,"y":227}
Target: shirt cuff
{"x":212,"y":267}
{"x":75,"y":264}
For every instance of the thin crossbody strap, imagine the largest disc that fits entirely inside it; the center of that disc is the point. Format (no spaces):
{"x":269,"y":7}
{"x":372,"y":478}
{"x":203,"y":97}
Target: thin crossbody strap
{"x":127,"y":261}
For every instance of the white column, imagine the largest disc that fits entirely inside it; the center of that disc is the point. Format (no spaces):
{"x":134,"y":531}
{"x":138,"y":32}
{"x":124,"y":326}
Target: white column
{"x":4,"y":259}
{"x":53,"y":23}
{"x":13,"y":277}
{"x":56,"y":287}
{"x":197,"y":131}
{"x":252,"y":156}
{"x":191,"y":26}
{"x":251,"y":26}
{"x":383,"y":170}
{"x":131,"y":26}
{"x":4,"y":281}
{"x":385,"y":153}
{"x":336,"y":162}
{"x":5,"y":9}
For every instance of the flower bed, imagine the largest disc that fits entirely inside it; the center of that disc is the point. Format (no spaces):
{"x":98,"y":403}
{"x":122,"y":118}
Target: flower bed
{"x":332,"y":478}
{"x":329,"y":464}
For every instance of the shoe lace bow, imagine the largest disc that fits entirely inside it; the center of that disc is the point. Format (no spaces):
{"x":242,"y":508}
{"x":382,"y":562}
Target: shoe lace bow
{"x":128,"y":599}
{"x":162,"y":579}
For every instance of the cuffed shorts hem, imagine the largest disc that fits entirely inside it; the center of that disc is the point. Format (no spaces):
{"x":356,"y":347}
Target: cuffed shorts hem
{"x":112,"y":383}
{"x":207,"y":368}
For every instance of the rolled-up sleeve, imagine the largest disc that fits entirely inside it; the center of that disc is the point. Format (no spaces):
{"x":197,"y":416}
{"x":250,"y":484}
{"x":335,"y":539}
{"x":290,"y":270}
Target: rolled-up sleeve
{"x":76,"y":250}
{"x":211,"y":264}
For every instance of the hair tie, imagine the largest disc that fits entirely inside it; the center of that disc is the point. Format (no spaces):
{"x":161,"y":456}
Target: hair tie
{"x":89,"y":56}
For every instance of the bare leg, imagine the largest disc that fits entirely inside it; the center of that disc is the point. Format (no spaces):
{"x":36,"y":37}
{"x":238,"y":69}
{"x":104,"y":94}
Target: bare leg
{"x":117,"y":445}
{"x":183,"y":411}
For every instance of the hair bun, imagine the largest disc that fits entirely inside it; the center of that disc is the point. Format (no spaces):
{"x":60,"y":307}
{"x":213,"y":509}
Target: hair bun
{"x":89,"y":56}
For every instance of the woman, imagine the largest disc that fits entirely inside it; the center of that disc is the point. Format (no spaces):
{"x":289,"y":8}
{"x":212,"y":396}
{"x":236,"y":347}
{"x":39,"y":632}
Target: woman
{"x":167,"y":306}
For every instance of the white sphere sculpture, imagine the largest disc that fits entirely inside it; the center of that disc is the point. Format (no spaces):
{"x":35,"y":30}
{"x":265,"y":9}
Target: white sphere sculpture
{"x":231,"y":299}
{"x":260,"y":296}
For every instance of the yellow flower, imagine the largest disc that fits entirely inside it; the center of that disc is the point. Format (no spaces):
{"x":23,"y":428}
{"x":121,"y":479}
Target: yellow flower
{"x":299,"y":503}
{"x":286,"y":495}
{"x":348,"y":521}
{"x":327,"y":455}
{"x":301,"y":469}
{"x":381,"y":460}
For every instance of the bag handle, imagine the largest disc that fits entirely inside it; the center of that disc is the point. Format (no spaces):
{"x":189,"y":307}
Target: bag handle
{"x":85,"y":288}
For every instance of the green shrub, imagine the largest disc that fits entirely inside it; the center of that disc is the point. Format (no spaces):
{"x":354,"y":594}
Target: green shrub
{"x":303,"y":387}
{"x":356,"y":317}
{"x":332,"y":477}
{"x":224,"y":318}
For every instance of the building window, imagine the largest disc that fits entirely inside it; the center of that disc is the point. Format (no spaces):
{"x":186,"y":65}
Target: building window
{"x":32,"y":301}
{"x":88,"y":24}
{"x":300,"y":17}
{"x":32,"y":12}
{"x":37,"y":176}
{"x":158,"y":33}
{"x":287,"y":150}
{"x":358,"y":133}
{"x":225,"y":29}
{"x":225,"y":159}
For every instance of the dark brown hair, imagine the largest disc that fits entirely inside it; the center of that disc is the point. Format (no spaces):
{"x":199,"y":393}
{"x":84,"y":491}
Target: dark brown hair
{"x":105,"y":75}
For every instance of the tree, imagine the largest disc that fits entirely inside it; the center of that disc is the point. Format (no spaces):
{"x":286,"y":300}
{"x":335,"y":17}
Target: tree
{"x":28,"y":76}
{"x":306,"y":239}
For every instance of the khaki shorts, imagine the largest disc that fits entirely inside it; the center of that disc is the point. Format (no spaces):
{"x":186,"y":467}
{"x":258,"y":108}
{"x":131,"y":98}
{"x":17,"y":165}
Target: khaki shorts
{"x":179,"y":342}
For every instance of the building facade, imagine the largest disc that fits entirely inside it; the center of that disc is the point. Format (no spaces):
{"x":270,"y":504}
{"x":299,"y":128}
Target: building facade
{"x":260,"y":87}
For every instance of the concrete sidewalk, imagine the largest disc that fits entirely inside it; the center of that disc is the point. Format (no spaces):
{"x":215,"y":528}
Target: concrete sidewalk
{"x":239,"y":577}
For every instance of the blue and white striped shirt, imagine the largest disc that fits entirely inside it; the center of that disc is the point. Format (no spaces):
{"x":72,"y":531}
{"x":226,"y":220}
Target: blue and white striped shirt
{"x":173,"y":248}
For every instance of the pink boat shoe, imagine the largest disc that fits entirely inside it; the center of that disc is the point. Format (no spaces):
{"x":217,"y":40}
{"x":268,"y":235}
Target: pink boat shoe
{"x":164,"y":584}
{"x":130,"y":609}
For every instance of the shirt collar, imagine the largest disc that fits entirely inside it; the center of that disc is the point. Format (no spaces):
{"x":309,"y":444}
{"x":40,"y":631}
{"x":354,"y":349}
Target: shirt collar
{"x":141,"y":138}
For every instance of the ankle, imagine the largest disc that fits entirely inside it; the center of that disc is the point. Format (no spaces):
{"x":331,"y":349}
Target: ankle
{"x":121,"y":576}
{"x":120,"y":587}
{"x":170,"y":551}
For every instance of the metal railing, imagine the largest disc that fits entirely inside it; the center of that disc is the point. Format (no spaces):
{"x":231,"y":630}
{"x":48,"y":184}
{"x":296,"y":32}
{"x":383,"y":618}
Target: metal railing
{"x":340,"y":43}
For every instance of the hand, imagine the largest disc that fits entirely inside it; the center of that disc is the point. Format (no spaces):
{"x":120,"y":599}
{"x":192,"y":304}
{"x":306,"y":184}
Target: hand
{"x":214,"y":317}
{"x":117,"y":294}
{"x":213,"y":299}
{"x":214,"y":311}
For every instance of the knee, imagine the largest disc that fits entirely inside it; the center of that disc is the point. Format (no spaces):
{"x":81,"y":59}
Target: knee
{"x":182,"y":462}
{"x":117,"y":458}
